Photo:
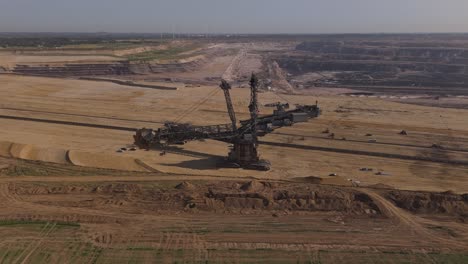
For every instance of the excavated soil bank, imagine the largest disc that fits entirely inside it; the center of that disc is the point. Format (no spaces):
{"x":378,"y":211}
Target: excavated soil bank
{"x":241,"y":197}
{"x":430,"y":203}
{"x":274,"y":196}
{"x":259,"y":197}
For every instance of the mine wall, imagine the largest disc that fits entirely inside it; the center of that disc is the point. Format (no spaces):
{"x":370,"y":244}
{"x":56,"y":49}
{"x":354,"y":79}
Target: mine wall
{"x":102,"y":69}
{"x":370,"y":63}
{"x":435,"y":53}
{"x":355,"y":63}
{"x":383,"y":59}
{"x":418,"y":80}
{"x":300,"y":66}
{"x":148,"y":68}
{"x":120,"y":68}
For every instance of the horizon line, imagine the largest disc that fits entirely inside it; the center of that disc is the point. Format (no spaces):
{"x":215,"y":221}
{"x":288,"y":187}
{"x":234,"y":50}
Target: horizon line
{"x":231,"y":34}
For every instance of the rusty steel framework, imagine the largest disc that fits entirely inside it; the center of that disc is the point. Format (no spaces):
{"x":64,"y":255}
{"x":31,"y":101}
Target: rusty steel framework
{"x":244,"y":138}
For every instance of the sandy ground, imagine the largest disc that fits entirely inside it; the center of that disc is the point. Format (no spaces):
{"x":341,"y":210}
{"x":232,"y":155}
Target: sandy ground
{"x":352,"y":118}
{"x":62,"y":203}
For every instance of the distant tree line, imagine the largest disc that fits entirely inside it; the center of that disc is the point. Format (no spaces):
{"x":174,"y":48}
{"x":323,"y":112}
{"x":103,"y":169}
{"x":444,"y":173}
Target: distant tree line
{"x":49,"y":42}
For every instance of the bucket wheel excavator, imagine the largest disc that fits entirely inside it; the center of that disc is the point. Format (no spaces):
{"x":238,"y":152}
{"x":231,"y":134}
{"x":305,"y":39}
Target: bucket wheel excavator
{"x":242,"y":136}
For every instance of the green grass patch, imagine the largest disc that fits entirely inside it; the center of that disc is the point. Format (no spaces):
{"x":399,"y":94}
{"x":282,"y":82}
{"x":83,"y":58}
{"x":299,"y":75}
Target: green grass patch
{"x":9,"y":255}
{"x":12,"y":222}
{"x":25,"y":170}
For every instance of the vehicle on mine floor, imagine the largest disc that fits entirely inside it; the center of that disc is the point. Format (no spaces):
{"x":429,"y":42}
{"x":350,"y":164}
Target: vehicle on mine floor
{"x":243,"y":138}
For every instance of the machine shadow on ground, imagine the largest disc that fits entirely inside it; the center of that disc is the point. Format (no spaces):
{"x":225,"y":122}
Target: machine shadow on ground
{"x":184,"y":152}
{"x":210,"y":163}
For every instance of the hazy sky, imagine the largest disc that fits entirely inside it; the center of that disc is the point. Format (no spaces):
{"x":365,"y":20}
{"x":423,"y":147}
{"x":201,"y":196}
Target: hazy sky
{"x":234,"y":16}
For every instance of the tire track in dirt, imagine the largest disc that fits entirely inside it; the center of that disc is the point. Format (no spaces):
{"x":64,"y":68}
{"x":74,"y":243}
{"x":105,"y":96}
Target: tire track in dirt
{"x":39,"y":243}
{"x":32,"y":247}
{"x":76,"y":253}
{"x":131,"y":244}
{"x":195,"y":242}
{"x":6,"y":197}
{"x":52,"y":213}
{"x":93,"y":256}
{"x":200,"y":246}
{"x":5,"y":251}
{"x":405,"y":219}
